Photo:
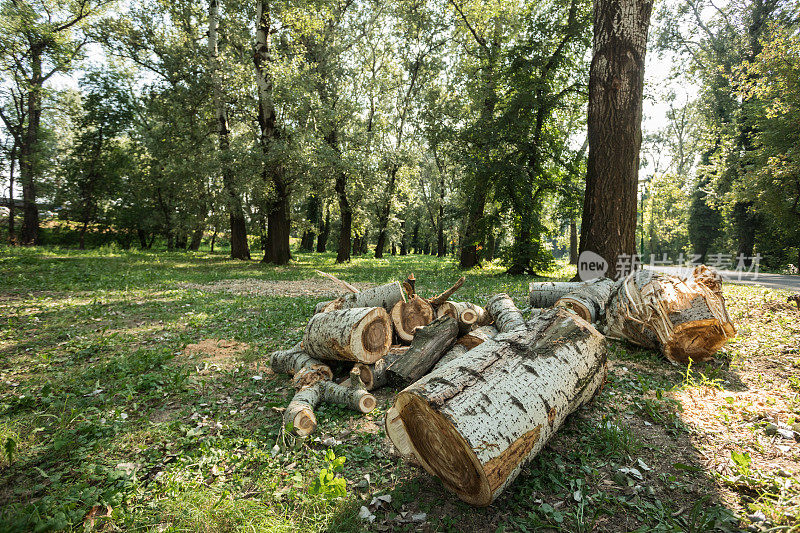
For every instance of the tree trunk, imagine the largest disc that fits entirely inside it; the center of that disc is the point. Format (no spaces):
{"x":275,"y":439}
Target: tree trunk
{"x":573,"y":242}
{"x":428,"y":346}
{"x":142,"y":238}
{"x":346,"y":217}
{"x":476,"y":421}
{"x":278,"y":226}
{"x":362,"y":334}
{"x":616,"y":77}
{"x":468,"y":315}
{"x":11,"y":207}
{"x":375,"y":376}
{"x":324,"y":233}
{"x":29,"y":148}
{"x":410,"y":315}
{"x":453,"y":353}
{"x":197,"y":239}
{"x":683,"y":318}
{"x":300,"y":412}
{"x":307,"y":241}
{"x":507,"y":317}
{"x":304,"y":369}
{"x":239,"y":246}
{"x":477,"y":336}
{"x":385,"y":296}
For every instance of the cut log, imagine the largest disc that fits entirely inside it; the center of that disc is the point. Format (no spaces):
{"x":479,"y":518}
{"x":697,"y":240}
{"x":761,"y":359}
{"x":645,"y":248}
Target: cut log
{"x":382,"y":296}
{"x":428,"y":346}
{"x":439,"y":299}
{"x":467,"y":314}
{"x":361,"y":334}
{"x":682,"y":317}
{"x":477,"y":420}
{"x":300,"y":412}
{"x":409,"y":285}
{"x":507,"y":317}
{"x":590,"y":300}
{"x":545,"y":294}
{"x":453,"y":353}
{"x":477,"y":336}
{"x":374,"y":376}
{"x":410,"y":315}
{"x":304,"y":369}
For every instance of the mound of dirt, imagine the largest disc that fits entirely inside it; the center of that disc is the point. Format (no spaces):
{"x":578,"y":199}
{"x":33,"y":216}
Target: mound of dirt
{"x":316,"y":287}
{"x":215,"y":349}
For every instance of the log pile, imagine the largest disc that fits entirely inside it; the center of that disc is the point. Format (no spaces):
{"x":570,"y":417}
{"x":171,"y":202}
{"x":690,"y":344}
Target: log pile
{"x":482,"y":388}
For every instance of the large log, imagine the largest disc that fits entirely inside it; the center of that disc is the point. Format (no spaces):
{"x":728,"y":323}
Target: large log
{"x":477,"y":420}
{"x":589,"y":300}
{"x":507,"y":317}
{"x":304,"y":369}
{"x":465,"y":343}
{"x":300,"y":412}
{"x":682,"y":317}
{"x":410,"y":315}
{"x":361,"y":334}
{"x":545,"y":294}
{"x":385,"y":296}
{"x":428,"y":346}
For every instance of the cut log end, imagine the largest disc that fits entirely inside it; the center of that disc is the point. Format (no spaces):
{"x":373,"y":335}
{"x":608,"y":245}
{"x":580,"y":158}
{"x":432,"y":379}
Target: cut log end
{"x":367,"y":403}
{"x":410,"y":315}
{"x":304,"y":423}
{"x":442,"y":450}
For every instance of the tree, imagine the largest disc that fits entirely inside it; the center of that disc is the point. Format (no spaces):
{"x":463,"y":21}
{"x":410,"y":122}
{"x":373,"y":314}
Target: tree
{"x":616,"y":78}
{"x":38,"y":38}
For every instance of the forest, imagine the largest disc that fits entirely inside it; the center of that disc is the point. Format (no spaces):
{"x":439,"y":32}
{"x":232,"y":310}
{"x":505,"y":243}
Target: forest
{"x":447,"y":127}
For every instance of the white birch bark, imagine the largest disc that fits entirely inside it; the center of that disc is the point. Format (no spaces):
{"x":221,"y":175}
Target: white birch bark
{"x":304,"y":369}
{"x":300,"y":412}
{"x":544,"y":294}
{"x":361,"y":334}
{"x":590,"y":300}
{"x":507,"y":317}
{"x":467,"y":314}
{"x":385,"y":296}
{"x":477,"y":420}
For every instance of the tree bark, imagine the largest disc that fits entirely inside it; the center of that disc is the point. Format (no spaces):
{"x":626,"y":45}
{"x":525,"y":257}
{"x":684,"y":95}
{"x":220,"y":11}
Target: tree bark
{"x":410,"y":315}
{"x":573,"y":242}
{"x":507,"y":317}
{"x":362,"y":334}
{"x":545,"y":294}
{"x":300,"y":412}
{"x":477,"y":336}
{"x":29,"y":148}
{"x":385,"y":296}
{"x":476,"y":421}
{"x":12,"y":159}
{"x":197,"y":239}
{"x":304,"y":369}
{"x":239,"y":246}
{"x":589,"y":301}
{"x":616,"y":77}
{"x":468,"y":315}
{"x":428,"y":346}
{"x":375,"y":376}
{"x":346,"y":217}
{"x":324,"y":232}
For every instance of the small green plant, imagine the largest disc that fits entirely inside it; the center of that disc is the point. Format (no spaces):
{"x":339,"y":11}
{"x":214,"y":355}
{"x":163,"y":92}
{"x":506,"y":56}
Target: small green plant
{"x":10,"y":449}
{"x":691,"y":379}
{"x":327,"y":484}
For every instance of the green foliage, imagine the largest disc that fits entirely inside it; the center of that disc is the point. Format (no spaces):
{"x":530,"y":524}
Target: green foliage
{"x":327,"y":483}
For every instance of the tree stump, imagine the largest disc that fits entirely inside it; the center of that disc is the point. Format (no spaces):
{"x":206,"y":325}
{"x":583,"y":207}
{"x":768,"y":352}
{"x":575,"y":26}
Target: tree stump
{"x":361,"y":334}
{"x":477,"y":420}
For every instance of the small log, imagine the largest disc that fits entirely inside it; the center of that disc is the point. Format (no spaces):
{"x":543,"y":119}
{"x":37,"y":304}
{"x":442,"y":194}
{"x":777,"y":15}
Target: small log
{"x":682,"y":317}
{"x":544,"y":294}
{"x":300,"y":412}
{"x":476,"y":421}
{"x":409,"y":285}
{"x":428,"y":346}
{"x":304,"y":369}
{"x":589,"y":300}
{"x":361,"y":334}
{"x":467,"y":314}
{"x":507,"y":317}
{"x":382,"y":296}
{"x":374,"y":376}
{"x":439,"y":299}
{"x":410,"y":315}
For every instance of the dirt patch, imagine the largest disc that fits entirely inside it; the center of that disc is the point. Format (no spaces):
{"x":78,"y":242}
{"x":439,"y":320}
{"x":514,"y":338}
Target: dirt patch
{"x":216,"y":349}
{"x":288,"y":288}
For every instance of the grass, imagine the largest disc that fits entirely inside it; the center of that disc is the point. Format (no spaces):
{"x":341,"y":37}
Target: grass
{"x":114,"y":416}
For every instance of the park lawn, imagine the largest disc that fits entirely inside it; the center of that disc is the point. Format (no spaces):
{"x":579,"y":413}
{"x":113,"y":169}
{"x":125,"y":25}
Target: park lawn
{"x":135,"y":394}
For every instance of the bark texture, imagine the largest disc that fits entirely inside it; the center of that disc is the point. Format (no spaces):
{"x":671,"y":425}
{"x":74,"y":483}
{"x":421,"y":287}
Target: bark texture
{"x":304,"y":369}
{"x":545,"y":294}
{"x":375,"y":376}
{"x":300,"y":412}
{"x":428,"y":346}
{"x":476,"y":421}
{"x":589,"y":301}
{"x":468,"y":315}
{"x":360,"y":334}
{"x":507,"y":317}
{"x":616,"y":77}
{"x":385,"y":296}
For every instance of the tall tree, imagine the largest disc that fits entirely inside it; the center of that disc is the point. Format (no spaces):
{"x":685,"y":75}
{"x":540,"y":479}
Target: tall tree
{"x":616,"y":79}
{"x":39,"y":38}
